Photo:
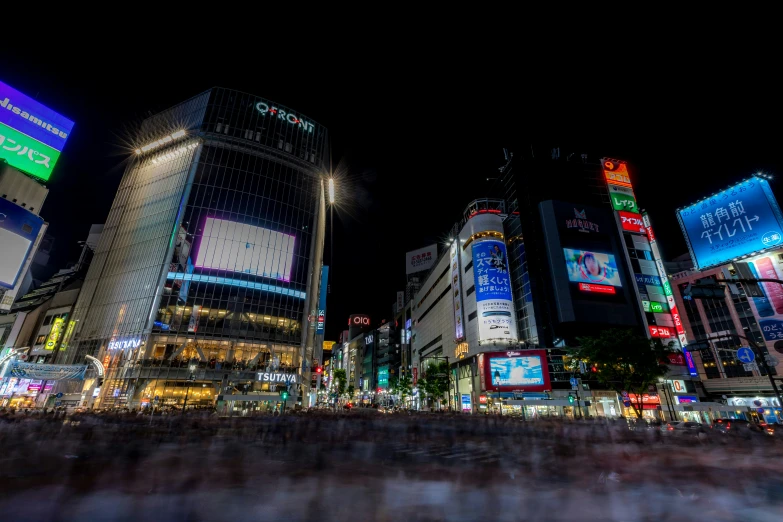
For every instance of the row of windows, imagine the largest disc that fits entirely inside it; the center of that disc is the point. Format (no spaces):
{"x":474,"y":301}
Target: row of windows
{"x":445,"y":292}
{"x":441,"y":276}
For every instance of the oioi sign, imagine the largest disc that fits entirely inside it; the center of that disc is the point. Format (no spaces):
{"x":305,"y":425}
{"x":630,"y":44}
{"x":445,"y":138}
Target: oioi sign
{"x":31,"y":134}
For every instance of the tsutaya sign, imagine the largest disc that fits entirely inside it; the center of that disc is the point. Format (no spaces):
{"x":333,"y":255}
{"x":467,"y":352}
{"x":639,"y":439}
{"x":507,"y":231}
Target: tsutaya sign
{"x":122,"y":344}
{"x":284,"y":378}
{"x":265,"y":109}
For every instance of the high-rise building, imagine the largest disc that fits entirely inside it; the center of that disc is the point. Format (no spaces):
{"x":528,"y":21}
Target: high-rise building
{"x":208,"y":267}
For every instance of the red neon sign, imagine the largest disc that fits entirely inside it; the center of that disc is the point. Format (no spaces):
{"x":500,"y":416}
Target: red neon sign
{"x":631,"y":222}
{"x":597,"y":289}
{"x":660,"y":331}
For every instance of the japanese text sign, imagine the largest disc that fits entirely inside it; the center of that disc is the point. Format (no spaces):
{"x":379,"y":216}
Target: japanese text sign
{"x":740,"y":220}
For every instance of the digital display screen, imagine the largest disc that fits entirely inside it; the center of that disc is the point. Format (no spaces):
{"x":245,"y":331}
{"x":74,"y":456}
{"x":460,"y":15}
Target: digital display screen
{"x":237,"y":247}
{"x":19,"y":229}
{"x":591,"y":268}
{"x":516,"y":371}
{"x":740,"y":220}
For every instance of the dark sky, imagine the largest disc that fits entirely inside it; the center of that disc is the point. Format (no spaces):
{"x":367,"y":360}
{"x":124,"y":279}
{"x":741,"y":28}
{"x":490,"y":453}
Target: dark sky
{"x":414,"y":138}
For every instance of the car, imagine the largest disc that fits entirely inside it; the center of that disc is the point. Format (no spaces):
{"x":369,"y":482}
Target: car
{"x":682,"y":428}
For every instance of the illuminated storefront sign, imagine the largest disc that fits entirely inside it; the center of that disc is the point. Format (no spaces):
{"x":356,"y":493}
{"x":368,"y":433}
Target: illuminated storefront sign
{"x":667,"y":287}
{"x":461,"y":350}
{"x":624,"y":202}
{"x":743,"y":219}
{"x":320,"y":325}
{"x":280,"y":114}
{"x":283,"y":378}
{"x":691,"y":365}
{"x":359,"y":320}
{"x":597,"y":289}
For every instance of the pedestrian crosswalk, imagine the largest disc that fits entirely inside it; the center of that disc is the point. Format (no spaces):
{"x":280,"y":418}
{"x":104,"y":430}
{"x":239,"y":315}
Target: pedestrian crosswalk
{"x":441,"y":451}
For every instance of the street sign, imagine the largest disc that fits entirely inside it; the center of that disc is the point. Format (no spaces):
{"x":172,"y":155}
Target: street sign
{"x":624,"y":394}
{"x":58,"y":403}
{"x":760,"y":410}
{"x":749,"y":367}
{"x":574,"y":382}
{"x":59,"y":395}
{"x":627,"y":404}
{"x":746,"y":355}
{"x":574,"y":387}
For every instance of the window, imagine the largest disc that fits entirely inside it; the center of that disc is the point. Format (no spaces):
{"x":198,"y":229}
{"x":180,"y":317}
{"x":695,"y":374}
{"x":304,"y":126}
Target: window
{"x":48,"y":320}
{"x":41,"y":339}
{"x":472,"y":315}
{"x":468,"y":266}
{"x":471,"y":290}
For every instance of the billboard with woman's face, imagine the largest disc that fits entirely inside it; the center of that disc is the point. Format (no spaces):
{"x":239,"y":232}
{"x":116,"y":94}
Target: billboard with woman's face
{"x":585,"y":266}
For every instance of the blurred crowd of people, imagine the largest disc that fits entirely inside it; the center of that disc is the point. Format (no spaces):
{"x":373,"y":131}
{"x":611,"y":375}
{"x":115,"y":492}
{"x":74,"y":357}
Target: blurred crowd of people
{"x":364,"y":465}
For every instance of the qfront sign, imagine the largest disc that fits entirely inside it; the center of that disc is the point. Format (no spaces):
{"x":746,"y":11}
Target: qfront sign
{"x":272,"y":111}
{"x":741,"y":220}
{"x":31,"y":135}
{"x":278,"y":377}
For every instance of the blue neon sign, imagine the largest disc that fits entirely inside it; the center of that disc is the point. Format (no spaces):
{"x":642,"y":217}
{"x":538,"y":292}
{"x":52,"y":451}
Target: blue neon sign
{"x":740,"y":220}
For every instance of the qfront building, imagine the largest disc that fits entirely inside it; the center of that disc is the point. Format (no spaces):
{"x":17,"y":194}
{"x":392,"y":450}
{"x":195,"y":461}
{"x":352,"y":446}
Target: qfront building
{"x":209,"y":262}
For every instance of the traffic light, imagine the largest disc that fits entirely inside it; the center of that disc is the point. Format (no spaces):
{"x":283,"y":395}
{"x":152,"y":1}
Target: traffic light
{"x":570,"y":399}
{"x":318,"y":369}
{"x":284,"y":395}
{"x":594,"y":368}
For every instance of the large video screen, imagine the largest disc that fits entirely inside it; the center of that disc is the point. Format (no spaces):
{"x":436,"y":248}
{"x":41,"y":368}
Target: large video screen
{"x":237,"y":247}
{"x":592,"y":268}
{"x":741,"y":220}
{"x":516,"y":371}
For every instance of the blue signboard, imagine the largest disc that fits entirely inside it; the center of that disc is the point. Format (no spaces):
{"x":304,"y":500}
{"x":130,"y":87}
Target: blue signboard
{"x":494,"y":303}
{"x":740,"y":220}
{"x":644,"y":279}
{"x":320,"y":325}
{"x":19,"y":229}
{"x":691,"y":365}
{"x":746,"y":355}
{"x":29,"y":117}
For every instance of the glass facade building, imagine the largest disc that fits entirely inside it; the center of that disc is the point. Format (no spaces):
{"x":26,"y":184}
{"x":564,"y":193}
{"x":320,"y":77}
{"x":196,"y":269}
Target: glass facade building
{"x":207,"y":264}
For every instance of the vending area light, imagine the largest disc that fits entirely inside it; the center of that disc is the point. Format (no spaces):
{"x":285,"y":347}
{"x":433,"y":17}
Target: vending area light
{"x":174,"y":153}
{"x":161,"y":142}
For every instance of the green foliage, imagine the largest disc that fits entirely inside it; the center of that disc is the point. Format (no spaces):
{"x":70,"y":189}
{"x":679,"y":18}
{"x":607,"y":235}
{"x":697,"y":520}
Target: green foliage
{"x":401,"y":386}
{"x":340,"y":378}
{"x":351,"y":390}
{"x":624,"y":360}
{"x":435,"y":381}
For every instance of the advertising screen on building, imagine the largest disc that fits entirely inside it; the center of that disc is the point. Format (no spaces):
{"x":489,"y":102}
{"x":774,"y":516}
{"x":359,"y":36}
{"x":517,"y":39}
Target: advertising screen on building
{"x":237,"y":247}
{"x":769,"y":308}
{"x":494,"y":302}
{"x":517,"y":370}
{"x":18,"y":230}
{"x":320,"y":325}
{"x":421,"y":260}
{"x":31,"y":135}
{"x":631,"y":222}
{"x":591,"y":267}
{"x":738,"y":221}
{"x":456,"y":290}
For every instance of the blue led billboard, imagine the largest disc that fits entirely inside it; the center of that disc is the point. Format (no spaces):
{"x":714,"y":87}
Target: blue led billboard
{"x":19,"y":229}
{"x":516,"y":371}
{"x":738,"y":221}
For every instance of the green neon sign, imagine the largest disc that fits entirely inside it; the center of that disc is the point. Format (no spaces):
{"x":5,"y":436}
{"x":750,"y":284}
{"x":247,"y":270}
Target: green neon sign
{"x":667,"y":288}
{"x":27,"y":154}
{"x":624,"y":202}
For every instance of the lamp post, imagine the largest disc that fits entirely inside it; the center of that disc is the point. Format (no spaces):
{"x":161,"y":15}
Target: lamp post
{"x":191,"y":377}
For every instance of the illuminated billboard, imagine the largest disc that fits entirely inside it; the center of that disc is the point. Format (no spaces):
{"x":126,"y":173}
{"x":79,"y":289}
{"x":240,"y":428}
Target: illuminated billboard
{"x":743,"y":219}
{"x":516,"y":370}
{"x":631,"y":222}
{"x":769,"y":309}
{"x":494,"y":303}
{"x":31,"y":135}
{"x":591,"y":267}
{"x":237,"y":247}
{"x":18,"y":231}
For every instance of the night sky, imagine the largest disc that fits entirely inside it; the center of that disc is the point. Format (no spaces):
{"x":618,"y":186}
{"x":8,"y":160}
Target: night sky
{"x":414,"y":144}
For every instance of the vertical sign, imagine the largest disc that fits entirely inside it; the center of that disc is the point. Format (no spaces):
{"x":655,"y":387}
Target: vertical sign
{"x":667,"y":288}
{"x":456,"y":290}
{"x":400,"y":301}
{"x":320,"y":325}
{"x":494,"y":303}
{"x":55,"y":333}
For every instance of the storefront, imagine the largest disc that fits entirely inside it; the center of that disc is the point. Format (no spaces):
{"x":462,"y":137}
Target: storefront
{"x":651,"y":407}
{"x":251,"y":404}
{"x":605,"y":404}
{"x":22,"y":393}
{"x":767,"y":408}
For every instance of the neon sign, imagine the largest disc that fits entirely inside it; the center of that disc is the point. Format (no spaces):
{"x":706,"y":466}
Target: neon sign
{"x":291,"y":118}
{"x":123,"y":344}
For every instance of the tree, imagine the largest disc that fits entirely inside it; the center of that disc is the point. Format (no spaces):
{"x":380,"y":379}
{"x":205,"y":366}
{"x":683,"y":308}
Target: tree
{"x":623,"y":361}
{"x":340,"y":378}
{"x":351,"y":389}
{"x":401,"y":386}
{"x":435,"y":381}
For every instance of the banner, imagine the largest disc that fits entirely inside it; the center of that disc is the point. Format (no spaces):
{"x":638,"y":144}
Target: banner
{"x":320,"y":325}
{"x":495,"y":307}
{"x":50,"y":372}
{"x":421,"y":260}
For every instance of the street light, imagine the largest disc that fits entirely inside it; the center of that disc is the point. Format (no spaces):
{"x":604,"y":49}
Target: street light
{"x":331,"y":191}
